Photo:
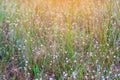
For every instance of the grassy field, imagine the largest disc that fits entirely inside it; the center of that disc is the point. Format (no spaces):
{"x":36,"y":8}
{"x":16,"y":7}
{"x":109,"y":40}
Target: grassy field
{"x":59,"y":39}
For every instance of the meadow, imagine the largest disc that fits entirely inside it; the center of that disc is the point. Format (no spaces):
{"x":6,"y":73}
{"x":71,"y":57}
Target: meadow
{"x":59,"y":39}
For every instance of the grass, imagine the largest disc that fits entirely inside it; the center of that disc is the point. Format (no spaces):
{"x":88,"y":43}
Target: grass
{"x":59,"y":40}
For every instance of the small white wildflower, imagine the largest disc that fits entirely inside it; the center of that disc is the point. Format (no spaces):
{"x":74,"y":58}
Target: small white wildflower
{"x":23,"y":47}
{"x":74,"y":74}
{"x":91,"y":53}
{"x":23,"y":56}
{"x":117,"y":48}
{"x":67,"y":60}
{"x":92,"y":77}
{"x":119,"y":75}
{"x":46,"y":74}
{"x":26,"y":62}
{"x":115,"y":75}
{"x":28,"y":74}
{"x":75,"y":61}
{"x":12,"y":57}
{"x":26,"y":65}
{"x":65,"y":52}
{"x":93,"y":71}
{"x":95,"y":75}
{"x":107,"y":77}
{"x":83,"y":42}
{"x":98,"y":68}
{"x":96,"y":42}
{"x":110,"y":72}
{"x":25,"y":68}
{"x":96,"y":61}
{"x":114,"y":56}
{"x":86,"y":77}
{"x":51,"y":78}
{"x":103,"y":78}
{"x":25,"y":40}
{"x":117,"y":70}
{"x":50,"y":64}
{"x":107,"y":56}
{"x":19,"y":49}
{"x":104,"y":71}
{"x":65,"y":74}
{"x":99,"y":72}
{"x":107,"y":44}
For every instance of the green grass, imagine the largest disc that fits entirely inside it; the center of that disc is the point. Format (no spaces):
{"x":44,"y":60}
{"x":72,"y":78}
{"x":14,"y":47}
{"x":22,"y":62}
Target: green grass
{"x":64,"y":40}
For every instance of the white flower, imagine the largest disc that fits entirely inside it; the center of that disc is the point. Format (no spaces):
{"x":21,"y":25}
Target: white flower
{"x":26,"y":62}
{"x":103,"y":78}
{"x":86,"y":77}
{"x":51,"y":78}
{"x":75,"y":61}
{"x":38,"y":79}
{"x":107,"y":56}
{"x":119,"y":75}
{"x":65,"y":74}
{"x":92,"y":77}
{"x":107,"y":77}
{"x":91,"y":54}
{"x":74,"y":74}
{"x":114,"y":56}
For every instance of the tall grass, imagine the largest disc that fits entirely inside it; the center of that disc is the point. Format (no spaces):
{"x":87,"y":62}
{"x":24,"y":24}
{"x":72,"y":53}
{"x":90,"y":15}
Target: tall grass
{"x":59,"y":40}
